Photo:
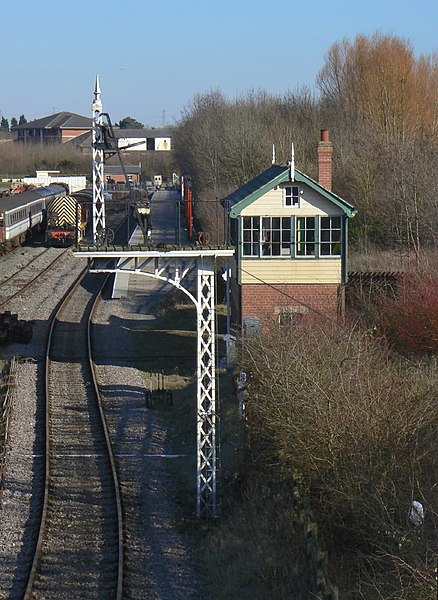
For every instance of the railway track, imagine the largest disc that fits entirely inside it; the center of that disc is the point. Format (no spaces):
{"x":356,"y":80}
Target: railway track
{"x":29,"y":274}
{"x":79,"y":552}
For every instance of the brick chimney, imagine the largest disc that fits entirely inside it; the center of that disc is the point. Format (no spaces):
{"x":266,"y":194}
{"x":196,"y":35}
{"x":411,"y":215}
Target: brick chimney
{"x":325,"y":154}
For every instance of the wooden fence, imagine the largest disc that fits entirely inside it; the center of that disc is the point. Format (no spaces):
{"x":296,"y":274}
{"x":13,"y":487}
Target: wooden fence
{"x":157,"y":395}
{"x":368,"y":287}
{"x":320,"y":582}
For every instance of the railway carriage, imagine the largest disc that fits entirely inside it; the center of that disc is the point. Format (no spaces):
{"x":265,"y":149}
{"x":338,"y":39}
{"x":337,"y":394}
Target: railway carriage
{"x":24,"y":213}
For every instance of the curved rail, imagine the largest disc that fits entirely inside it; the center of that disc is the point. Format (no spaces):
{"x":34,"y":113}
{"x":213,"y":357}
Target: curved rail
{"x":109,"y":446}
{"x":37,"y":553}
{"x":48,"y":450}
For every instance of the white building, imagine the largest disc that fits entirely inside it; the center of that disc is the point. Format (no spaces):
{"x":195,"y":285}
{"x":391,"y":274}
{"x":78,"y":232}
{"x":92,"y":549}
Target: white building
{"x":44,"y":178}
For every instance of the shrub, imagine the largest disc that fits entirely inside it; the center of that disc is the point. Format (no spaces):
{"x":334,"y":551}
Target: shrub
{"x":410,"y":321}
{"x":359,"y":427}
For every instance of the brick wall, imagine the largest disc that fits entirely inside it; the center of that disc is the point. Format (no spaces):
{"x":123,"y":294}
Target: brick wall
{"x":267,"y":302}
{"x":70,"y":134}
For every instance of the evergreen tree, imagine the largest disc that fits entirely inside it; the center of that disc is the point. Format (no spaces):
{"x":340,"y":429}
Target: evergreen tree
{"x":14,"y":122}
{"x":130,"y":123}
{"x":22,"y":120}
{"x":4,"y":124}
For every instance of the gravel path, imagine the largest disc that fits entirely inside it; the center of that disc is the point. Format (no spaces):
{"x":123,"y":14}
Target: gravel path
{"x":159,"y":558}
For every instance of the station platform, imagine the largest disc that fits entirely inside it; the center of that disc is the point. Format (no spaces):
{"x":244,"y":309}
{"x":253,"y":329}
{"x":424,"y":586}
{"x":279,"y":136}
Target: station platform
{"x":164,"y":231}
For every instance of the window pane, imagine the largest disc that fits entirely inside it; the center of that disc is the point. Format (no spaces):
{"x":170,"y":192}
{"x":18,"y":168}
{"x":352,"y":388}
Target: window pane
{"x":247,"y":222}
{"x":336,"y":249}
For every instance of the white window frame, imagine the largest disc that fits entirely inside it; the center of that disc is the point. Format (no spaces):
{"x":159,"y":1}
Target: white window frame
{"x":254,"y":237}
{"x":291,"y":196}
{"x":276,"y":237}
{"x":303,"y":237}
{"x":323,"y":240}
{"x":330,"y":238}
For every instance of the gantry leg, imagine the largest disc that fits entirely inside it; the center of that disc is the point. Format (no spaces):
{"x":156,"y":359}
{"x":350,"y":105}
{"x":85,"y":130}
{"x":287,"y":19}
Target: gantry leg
{"x":206,"y":410}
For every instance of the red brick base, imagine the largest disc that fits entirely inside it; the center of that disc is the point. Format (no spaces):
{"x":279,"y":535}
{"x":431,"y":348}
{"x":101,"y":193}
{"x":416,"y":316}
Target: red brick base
{"x":267,"y":302}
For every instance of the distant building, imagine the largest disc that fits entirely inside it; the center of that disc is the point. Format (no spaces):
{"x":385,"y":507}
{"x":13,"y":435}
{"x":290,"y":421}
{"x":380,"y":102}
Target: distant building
{"x":114,"y":174}
{"x":143,"y":140}
{"x":290,"y":234}
{"x":57,"y":129}
{"x":66,"y":127}
{"x":45,"y":178}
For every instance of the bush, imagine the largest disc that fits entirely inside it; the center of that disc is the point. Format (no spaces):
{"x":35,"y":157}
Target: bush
{"x":359,"y":427}
{"x":410,"y":322}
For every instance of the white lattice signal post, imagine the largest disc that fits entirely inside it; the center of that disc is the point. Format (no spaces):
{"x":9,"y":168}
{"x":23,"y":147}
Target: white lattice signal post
{"x":206,"y":392}
{"x":98,"y":164}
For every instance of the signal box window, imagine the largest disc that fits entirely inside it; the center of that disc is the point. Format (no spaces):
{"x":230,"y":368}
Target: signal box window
{"x":305,"y":236}
{"x":291,"y":195}
{"x":251,"y":236}
{"x":276,"y":236}
{"x":330,"y":236}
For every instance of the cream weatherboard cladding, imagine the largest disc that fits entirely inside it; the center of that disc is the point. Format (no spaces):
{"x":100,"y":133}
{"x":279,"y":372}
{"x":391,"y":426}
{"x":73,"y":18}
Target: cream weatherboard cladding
{"x":287,"y":271}
{"x":272,"y":204}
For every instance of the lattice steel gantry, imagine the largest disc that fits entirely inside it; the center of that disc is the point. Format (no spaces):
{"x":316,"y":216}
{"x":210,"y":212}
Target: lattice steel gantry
{"x":98,"y":145}
{"x":173,"y":266}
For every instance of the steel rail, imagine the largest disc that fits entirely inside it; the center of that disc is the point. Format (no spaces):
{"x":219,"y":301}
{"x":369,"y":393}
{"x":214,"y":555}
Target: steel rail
{"x":44,"y":515}
{"x":109,"y":446}
{"x":32,"y":281}
{"x":4,"y":281}
{"x":37,"y":552}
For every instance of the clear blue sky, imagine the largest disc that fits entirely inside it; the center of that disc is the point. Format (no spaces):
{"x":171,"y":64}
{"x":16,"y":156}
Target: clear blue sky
{"x":153,"y":56}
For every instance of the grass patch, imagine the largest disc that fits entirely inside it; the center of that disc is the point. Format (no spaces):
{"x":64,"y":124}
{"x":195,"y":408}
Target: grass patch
{"x":170,"y":345}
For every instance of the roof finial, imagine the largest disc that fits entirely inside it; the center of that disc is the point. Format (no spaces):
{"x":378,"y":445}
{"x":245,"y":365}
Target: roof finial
{"x":97,"y":102}
{"x":97,"y":86}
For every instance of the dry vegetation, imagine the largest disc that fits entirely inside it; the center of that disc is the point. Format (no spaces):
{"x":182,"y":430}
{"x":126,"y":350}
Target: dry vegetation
{"x":359,"y":426}
{"x":18,"y":160}
{"x":350,"y":410}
